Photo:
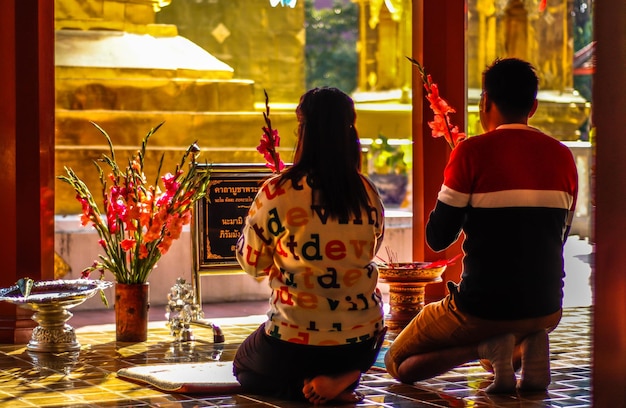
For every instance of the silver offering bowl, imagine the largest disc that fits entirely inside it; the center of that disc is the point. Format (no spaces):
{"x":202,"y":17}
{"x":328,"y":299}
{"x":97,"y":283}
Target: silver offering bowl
{"x":50,"y":300}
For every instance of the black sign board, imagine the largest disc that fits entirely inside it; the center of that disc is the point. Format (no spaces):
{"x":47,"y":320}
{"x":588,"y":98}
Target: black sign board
{"x":219,"y":216}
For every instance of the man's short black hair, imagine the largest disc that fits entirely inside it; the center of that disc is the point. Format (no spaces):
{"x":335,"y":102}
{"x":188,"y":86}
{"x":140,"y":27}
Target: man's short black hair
{"x":512,"y":85}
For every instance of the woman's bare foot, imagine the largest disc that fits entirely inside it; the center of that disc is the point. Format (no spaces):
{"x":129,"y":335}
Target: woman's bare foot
{"x":324,"y":388}
{"x":349,"y":397}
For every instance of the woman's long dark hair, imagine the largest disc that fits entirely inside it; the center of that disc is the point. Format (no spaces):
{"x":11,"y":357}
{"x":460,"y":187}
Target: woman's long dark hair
{"x":328,"y":152}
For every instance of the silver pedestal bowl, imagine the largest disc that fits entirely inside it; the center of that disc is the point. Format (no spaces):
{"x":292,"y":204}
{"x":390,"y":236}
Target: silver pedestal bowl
{"x":50,"y":300}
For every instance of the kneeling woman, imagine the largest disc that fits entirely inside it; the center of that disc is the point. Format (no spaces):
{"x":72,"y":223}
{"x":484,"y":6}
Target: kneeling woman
{"x":313,"y":231}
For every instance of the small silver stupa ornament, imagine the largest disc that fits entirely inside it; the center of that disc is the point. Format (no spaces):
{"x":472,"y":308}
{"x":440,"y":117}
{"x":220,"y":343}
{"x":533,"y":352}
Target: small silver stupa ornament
{"x":181,"y":310}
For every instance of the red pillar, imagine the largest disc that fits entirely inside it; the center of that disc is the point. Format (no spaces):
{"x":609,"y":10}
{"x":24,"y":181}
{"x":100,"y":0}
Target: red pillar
{"x":609,"y":277}
{"x":26,"y":153}
{"x":439,"y":44}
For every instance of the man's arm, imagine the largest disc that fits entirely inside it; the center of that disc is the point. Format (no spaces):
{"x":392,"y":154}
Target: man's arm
{"x":444,"y":226}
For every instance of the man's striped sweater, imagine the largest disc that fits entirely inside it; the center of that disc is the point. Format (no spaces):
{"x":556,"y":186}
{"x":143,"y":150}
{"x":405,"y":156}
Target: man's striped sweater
{"x":512,"y":192}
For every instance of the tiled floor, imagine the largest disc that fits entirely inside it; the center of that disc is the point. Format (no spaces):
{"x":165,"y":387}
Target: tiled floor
{"x":88,"y":378}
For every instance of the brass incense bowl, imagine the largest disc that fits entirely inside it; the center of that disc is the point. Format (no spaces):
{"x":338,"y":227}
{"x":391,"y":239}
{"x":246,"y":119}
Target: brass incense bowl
{"x":407,"y":283}
{"x":410,"y":271}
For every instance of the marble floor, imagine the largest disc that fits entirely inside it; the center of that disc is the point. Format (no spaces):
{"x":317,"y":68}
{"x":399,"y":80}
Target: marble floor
{"x":87,"y":378}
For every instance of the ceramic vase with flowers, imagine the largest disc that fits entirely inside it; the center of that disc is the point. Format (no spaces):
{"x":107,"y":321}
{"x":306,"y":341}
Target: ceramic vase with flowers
{"x":137,"y":224}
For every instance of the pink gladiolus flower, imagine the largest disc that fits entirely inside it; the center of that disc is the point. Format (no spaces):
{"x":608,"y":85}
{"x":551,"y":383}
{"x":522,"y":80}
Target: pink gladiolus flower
{"x":170,"y":183}
{"x":112,"y":222}
{"x":171,"y":187}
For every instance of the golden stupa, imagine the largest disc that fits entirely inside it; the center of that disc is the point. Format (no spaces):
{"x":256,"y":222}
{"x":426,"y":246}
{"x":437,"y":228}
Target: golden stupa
{"x":116,"y":67}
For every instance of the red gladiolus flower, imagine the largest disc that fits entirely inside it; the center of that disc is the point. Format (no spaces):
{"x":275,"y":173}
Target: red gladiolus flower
{"x":127,"y":244}
{"x":165,"y":245}
{"x":440,"y":125}
{"x":139,"y":221}
{"x":542,"y":5}
{"x":143,"y":251}
{"x":270,"y":140}
{"x":175,"y":226}
{"x":87,"y":211}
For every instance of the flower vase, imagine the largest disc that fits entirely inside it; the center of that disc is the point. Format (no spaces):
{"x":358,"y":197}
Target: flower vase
{"x":132,"y":302}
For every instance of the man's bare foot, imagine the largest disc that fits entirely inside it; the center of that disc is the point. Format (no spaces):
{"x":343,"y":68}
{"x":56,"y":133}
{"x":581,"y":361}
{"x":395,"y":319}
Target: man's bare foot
{"x":324,"y":388}
{"x":535,"y":362}
{"x":517,"y":360}
{"x":499,"y":351}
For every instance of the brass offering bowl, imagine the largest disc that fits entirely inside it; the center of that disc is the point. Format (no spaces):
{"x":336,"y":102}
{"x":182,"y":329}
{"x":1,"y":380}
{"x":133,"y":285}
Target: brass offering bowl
{"x":407,"y":282}
{"x":410,"y":271}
